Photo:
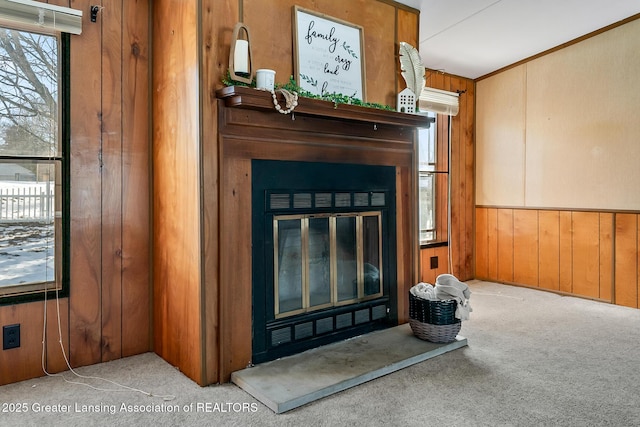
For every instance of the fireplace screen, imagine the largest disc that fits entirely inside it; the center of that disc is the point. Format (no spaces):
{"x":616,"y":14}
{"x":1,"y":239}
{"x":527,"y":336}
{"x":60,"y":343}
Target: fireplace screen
{"x":325,"y":261}
{"x":323,"y":254}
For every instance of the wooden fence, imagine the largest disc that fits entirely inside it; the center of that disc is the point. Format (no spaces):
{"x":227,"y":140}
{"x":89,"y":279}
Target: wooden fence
{"x":28,"y":203}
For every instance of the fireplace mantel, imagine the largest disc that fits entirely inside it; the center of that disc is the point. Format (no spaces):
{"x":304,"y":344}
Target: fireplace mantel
{"x":250,"y":129}
{"x":244,"y":97}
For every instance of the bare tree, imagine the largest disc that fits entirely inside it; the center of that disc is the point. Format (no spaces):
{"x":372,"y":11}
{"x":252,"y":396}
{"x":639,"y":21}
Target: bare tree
{"x":28,"y":93}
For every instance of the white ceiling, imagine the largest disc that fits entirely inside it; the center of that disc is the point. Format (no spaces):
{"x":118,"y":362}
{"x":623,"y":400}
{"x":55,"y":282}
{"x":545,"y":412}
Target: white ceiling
{"x":471,"y":38}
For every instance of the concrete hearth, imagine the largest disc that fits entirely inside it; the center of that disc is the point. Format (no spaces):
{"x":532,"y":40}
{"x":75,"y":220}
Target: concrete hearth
{"x":293,"y":381}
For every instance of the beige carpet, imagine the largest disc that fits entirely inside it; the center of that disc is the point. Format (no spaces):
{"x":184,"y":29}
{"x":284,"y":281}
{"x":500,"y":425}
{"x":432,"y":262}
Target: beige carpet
{"x":533,"y":358}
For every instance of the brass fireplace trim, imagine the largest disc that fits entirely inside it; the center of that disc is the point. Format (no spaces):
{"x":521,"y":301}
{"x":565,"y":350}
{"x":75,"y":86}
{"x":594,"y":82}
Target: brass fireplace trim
{"x":304,"y":237}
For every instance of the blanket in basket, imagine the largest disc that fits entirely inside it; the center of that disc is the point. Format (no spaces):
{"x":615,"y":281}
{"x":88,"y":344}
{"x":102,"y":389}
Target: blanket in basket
{"x":447,"y":287}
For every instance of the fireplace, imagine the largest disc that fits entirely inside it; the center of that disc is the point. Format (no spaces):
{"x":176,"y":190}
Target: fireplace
{"x":318,"y":226}
{"x":322,"y":263}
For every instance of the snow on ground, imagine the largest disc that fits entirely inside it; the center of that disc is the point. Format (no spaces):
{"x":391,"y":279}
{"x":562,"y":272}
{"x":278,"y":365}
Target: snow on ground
{"x":26,"y":253}
{"x":27,"y":247}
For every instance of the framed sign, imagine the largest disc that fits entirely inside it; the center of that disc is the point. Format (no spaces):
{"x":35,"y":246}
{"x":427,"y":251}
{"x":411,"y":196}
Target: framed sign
{"x":329,"y":54}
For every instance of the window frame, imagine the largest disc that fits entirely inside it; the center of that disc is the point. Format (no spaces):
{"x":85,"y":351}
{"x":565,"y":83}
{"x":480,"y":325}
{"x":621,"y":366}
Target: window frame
{"x":438,"y":168}
{"x":40,"y":291}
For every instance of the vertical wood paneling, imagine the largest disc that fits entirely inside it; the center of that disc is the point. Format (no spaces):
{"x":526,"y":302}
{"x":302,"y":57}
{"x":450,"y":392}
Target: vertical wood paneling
{"x":85,"y":321}
{"x":428,"y":274}
{"x":492,"y":243}
{"x":24,"y":362}
{"x":566,"y":252}
{"x":235,"y":312}
{"x":482,"y":244}
{"x":549,"y":258}
{"x":408,"y":28}
{"x":379,"y":42}
{"x":505,"y":245}
{"x":468,"y":177}
{"x":450,"y":132}
{"x":274,"y":49}
{"x":136,"y":172}
{"x":606,"y":256}
{"x":55,"y":361}
{"x":176,"y":159}
{"x":626,"y":260}
{"x":461,"y":169}
{"x":468,"y":141}
{"x":406,"y":239}
{"x":578,"y":251}
{"x":458,"y":184}
{"x":111,"y":138}
{"x":218,"y":18}
{"x":109,"y":196}
{"x":442,"y":143}
{"x":525,"y":247}
{"x":108,"y":305}
{"x":406,"y":31}
{"x":586,"y":254}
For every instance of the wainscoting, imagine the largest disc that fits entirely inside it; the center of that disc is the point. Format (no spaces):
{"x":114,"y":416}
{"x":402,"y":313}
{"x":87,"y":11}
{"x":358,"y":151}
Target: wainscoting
{"x":583,"y":253}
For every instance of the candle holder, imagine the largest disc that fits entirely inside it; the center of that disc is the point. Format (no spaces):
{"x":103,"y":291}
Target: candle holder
{"x":240,"y":57}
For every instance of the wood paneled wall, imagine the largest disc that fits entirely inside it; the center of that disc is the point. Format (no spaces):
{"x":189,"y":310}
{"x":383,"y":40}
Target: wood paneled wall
{"x":384,"y":24}
{"x":535,"y":129}
{"x":461,"y":174}
{"x":176,"y":198}
{"x":584,"y":253}
{"x":427,"y":273}
{"x":107,"y":314}
{"x":545,"y":122}
{"x":191,"y":51}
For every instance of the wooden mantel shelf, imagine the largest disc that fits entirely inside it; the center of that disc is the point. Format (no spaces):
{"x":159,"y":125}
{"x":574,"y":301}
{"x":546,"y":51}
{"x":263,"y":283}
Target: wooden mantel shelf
{"x":244,"y":97}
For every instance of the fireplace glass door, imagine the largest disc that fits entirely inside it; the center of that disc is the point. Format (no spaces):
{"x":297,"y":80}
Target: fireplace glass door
{"x":325,"y":261}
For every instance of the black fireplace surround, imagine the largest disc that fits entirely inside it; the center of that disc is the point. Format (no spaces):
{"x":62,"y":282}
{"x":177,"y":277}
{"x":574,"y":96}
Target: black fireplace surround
{"x":289,"y":189}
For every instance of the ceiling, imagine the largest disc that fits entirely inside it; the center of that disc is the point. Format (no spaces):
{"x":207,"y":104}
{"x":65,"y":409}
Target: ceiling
{"x":472,"y":38}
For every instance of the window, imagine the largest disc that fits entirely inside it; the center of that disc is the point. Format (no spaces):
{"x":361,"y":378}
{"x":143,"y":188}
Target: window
{"x":433,"y":177}
{"x":33,"y":169}
{"x":427,"y":181}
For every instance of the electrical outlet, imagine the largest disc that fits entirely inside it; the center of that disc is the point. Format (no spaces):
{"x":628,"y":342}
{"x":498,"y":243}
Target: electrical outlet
{"x":434,"y":262}
{"x":10,"y":336}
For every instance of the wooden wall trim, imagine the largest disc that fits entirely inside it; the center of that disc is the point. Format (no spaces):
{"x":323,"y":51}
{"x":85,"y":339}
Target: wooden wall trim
{"x":557,"y":209}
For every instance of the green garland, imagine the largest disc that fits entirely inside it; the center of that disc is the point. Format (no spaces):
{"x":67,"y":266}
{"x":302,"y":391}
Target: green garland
{"x":292,"y":86}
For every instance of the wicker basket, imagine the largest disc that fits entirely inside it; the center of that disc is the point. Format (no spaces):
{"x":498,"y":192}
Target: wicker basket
{"x":435,"y":333}
{"x":433,"y":321}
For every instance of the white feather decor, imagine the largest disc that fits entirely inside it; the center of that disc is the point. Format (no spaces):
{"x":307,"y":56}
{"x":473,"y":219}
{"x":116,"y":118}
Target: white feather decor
{"x":411,"y":68}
